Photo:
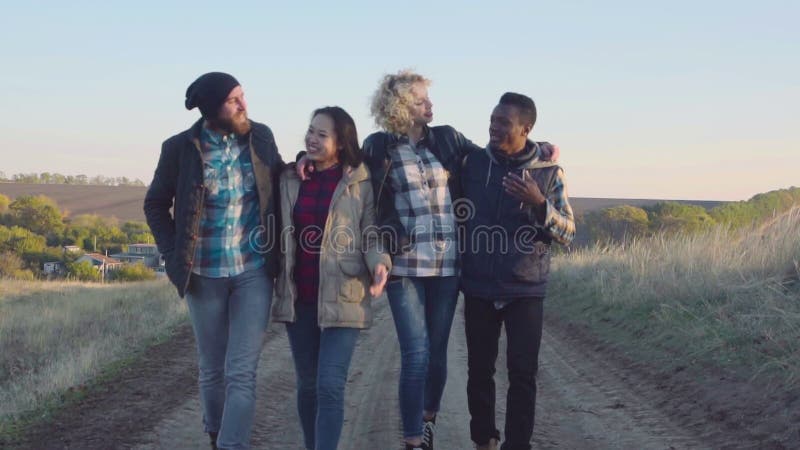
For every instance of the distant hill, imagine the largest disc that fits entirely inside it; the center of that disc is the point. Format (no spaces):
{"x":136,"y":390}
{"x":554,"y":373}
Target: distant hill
{"x":125,"y":202}
{"x":122,"y":202}
{"x":581,"y":205}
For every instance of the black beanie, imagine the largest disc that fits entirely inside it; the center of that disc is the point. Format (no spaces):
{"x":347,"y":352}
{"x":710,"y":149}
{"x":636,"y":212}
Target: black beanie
{"x":209,"y":92}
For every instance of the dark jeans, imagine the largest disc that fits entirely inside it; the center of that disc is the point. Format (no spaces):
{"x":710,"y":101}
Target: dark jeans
{"x":321,"y":360}
{"x":523,"y":323}
{"x":423,"y":310}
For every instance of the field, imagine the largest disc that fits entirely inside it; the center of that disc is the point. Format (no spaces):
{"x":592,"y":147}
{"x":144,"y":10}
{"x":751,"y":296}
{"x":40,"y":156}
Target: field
{"x":122,"y":202}
{"x":58,"y":336}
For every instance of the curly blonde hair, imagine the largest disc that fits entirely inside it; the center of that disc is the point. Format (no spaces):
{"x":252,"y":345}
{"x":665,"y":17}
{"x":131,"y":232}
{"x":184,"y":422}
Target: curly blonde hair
{"x":391,"y":101}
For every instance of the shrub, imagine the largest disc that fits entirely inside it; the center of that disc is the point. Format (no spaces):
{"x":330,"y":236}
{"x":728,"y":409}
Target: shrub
{"x":132,"y":272}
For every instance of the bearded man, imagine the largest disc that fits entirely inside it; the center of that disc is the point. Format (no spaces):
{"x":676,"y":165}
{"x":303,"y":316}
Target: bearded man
{"x":219,"y":245}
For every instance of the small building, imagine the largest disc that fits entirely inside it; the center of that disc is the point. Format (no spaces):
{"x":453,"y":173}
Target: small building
{"x":147,"y":254}
{"x":102,"y":263}
{"x":73,"y":249}
{"x":54,"y":268}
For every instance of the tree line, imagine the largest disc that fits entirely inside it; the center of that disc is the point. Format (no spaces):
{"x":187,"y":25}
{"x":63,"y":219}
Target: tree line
{"x":619,"y":223}
{"x":33,"y":230}
{"x":57,"y":178}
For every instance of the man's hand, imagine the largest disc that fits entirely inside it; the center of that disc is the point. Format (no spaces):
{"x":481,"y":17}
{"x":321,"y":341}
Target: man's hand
{"x":525,"y":190}
{"x":304,"y":167}
{"x":379,"y":280}
{"x":550,"y":152}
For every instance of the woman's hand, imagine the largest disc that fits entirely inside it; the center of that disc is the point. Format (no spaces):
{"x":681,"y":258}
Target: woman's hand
{"x":379,"y":280}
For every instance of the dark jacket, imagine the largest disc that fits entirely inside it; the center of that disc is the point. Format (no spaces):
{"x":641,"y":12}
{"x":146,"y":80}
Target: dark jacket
{"x":178,"y":180}
{"x":506,"y":246}
{"x":448,"y":145}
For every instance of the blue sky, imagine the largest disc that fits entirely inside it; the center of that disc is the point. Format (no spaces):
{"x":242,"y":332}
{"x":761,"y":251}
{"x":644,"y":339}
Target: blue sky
{"x":691,"y":100}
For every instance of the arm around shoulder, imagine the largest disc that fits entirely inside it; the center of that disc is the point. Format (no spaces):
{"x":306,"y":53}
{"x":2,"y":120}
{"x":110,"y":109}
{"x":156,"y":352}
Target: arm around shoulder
{"x":559,"y":219}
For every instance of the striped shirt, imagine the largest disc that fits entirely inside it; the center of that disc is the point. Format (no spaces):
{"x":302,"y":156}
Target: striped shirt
{"x":231,"y":208}
{"x":422,"y":200}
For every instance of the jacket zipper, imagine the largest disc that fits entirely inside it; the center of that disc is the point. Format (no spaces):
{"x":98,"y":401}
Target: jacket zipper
{"x":498,"y":214}
{"x":386,"y":167}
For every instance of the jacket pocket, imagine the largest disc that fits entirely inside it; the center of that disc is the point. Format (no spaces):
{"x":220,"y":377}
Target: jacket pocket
{"x":352,"y":266}
{"x":353,"y":286}
{"x":532,"y":265}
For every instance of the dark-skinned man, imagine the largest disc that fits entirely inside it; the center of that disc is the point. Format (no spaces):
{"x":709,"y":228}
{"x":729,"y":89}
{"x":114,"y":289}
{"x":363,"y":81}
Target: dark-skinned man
{"x":518,"y":207}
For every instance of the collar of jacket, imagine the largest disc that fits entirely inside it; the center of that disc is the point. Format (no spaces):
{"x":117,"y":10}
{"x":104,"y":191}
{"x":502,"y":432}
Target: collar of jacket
{"x":350,"y":175}
{"x":532,"y":156}
{"x":257,"y":136}
{"x":428,"y":139}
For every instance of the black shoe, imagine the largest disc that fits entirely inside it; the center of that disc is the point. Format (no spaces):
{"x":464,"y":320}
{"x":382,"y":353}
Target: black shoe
{"x":428,"y":428}
{"x":413,"y":447}
{"x":213,"y":437}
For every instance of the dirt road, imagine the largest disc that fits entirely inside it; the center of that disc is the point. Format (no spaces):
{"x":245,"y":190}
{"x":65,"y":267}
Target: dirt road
{"x":586,"y":401}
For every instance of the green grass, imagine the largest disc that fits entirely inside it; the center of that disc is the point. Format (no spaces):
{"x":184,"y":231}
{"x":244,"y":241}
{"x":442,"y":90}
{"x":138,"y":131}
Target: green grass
{"x":59,"y":337}
{"x":726,"y":298}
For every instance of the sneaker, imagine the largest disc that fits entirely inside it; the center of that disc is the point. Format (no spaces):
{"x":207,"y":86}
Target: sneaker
{"x":413,"y":447}
{"x":492,"y":445}
{"x":428,"y":428}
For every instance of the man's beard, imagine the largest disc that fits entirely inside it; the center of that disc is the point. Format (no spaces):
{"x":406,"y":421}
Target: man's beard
{"x":237,"y":124}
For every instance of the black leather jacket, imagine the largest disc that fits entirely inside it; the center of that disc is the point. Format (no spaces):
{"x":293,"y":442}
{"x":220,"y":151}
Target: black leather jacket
{"x":448,"y":145}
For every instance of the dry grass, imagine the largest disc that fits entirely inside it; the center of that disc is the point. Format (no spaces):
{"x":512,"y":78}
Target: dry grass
{"x":58,"y":335}
{"x":722,"y":297}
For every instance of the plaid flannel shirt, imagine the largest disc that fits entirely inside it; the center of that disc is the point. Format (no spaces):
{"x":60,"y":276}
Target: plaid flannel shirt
{"x":231,"y":209}
{"x":310,"y":214}
{"x":423,"y":203}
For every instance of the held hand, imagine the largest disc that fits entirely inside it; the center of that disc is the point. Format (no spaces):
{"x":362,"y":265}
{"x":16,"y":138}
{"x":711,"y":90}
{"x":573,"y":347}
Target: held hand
{"x":304,"y":167}
{"x":525,"y":190}
{"x":550,"y":152}
{"x":379,"y":280}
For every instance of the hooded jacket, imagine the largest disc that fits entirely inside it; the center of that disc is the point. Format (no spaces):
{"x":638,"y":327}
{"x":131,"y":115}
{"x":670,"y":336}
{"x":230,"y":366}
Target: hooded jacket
{"x":506,"y":249}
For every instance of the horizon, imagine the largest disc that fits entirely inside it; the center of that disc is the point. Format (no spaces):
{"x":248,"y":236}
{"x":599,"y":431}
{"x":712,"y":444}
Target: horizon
{"x":678,"y":101}
{"x":587,"y":197}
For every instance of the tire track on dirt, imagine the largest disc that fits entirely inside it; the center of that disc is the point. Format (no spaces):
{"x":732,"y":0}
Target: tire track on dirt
{"x":587,"y":402}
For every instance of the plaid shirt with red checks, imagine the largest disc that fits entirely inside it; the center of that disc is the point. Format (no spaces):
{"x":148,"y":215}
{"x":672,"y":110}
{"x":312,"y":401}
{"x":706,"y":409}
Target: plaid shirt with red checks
{"x":309,"y":214}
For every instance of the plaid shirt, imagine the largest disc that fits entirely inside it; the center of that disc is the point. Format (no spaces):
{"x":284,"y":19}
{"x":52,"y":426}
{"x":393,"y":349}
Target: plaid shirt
{"x":422,"y":200}
{"x":230,"y":211}
{"x":309,"y":214}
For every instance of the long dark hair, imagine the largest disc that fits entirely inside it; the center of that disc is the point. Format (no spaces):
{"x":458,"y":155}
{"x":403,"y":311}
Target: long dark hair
{"x":346,"y":134}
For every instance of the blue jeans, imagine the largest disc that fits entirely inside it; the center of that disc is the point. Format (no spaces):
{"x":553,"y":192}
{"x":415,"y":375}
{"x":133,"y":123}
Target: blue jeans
{"x":229,"y":317}
{"x":423,"y":309}
{"x":321,"y":361}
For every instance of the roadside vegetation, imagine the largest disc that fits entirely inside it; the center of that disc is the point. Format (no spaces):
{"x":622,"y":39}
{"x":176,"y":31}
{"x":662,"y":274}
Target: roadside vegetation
{"x":726,"y":295}
{"x":58,"y":336}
